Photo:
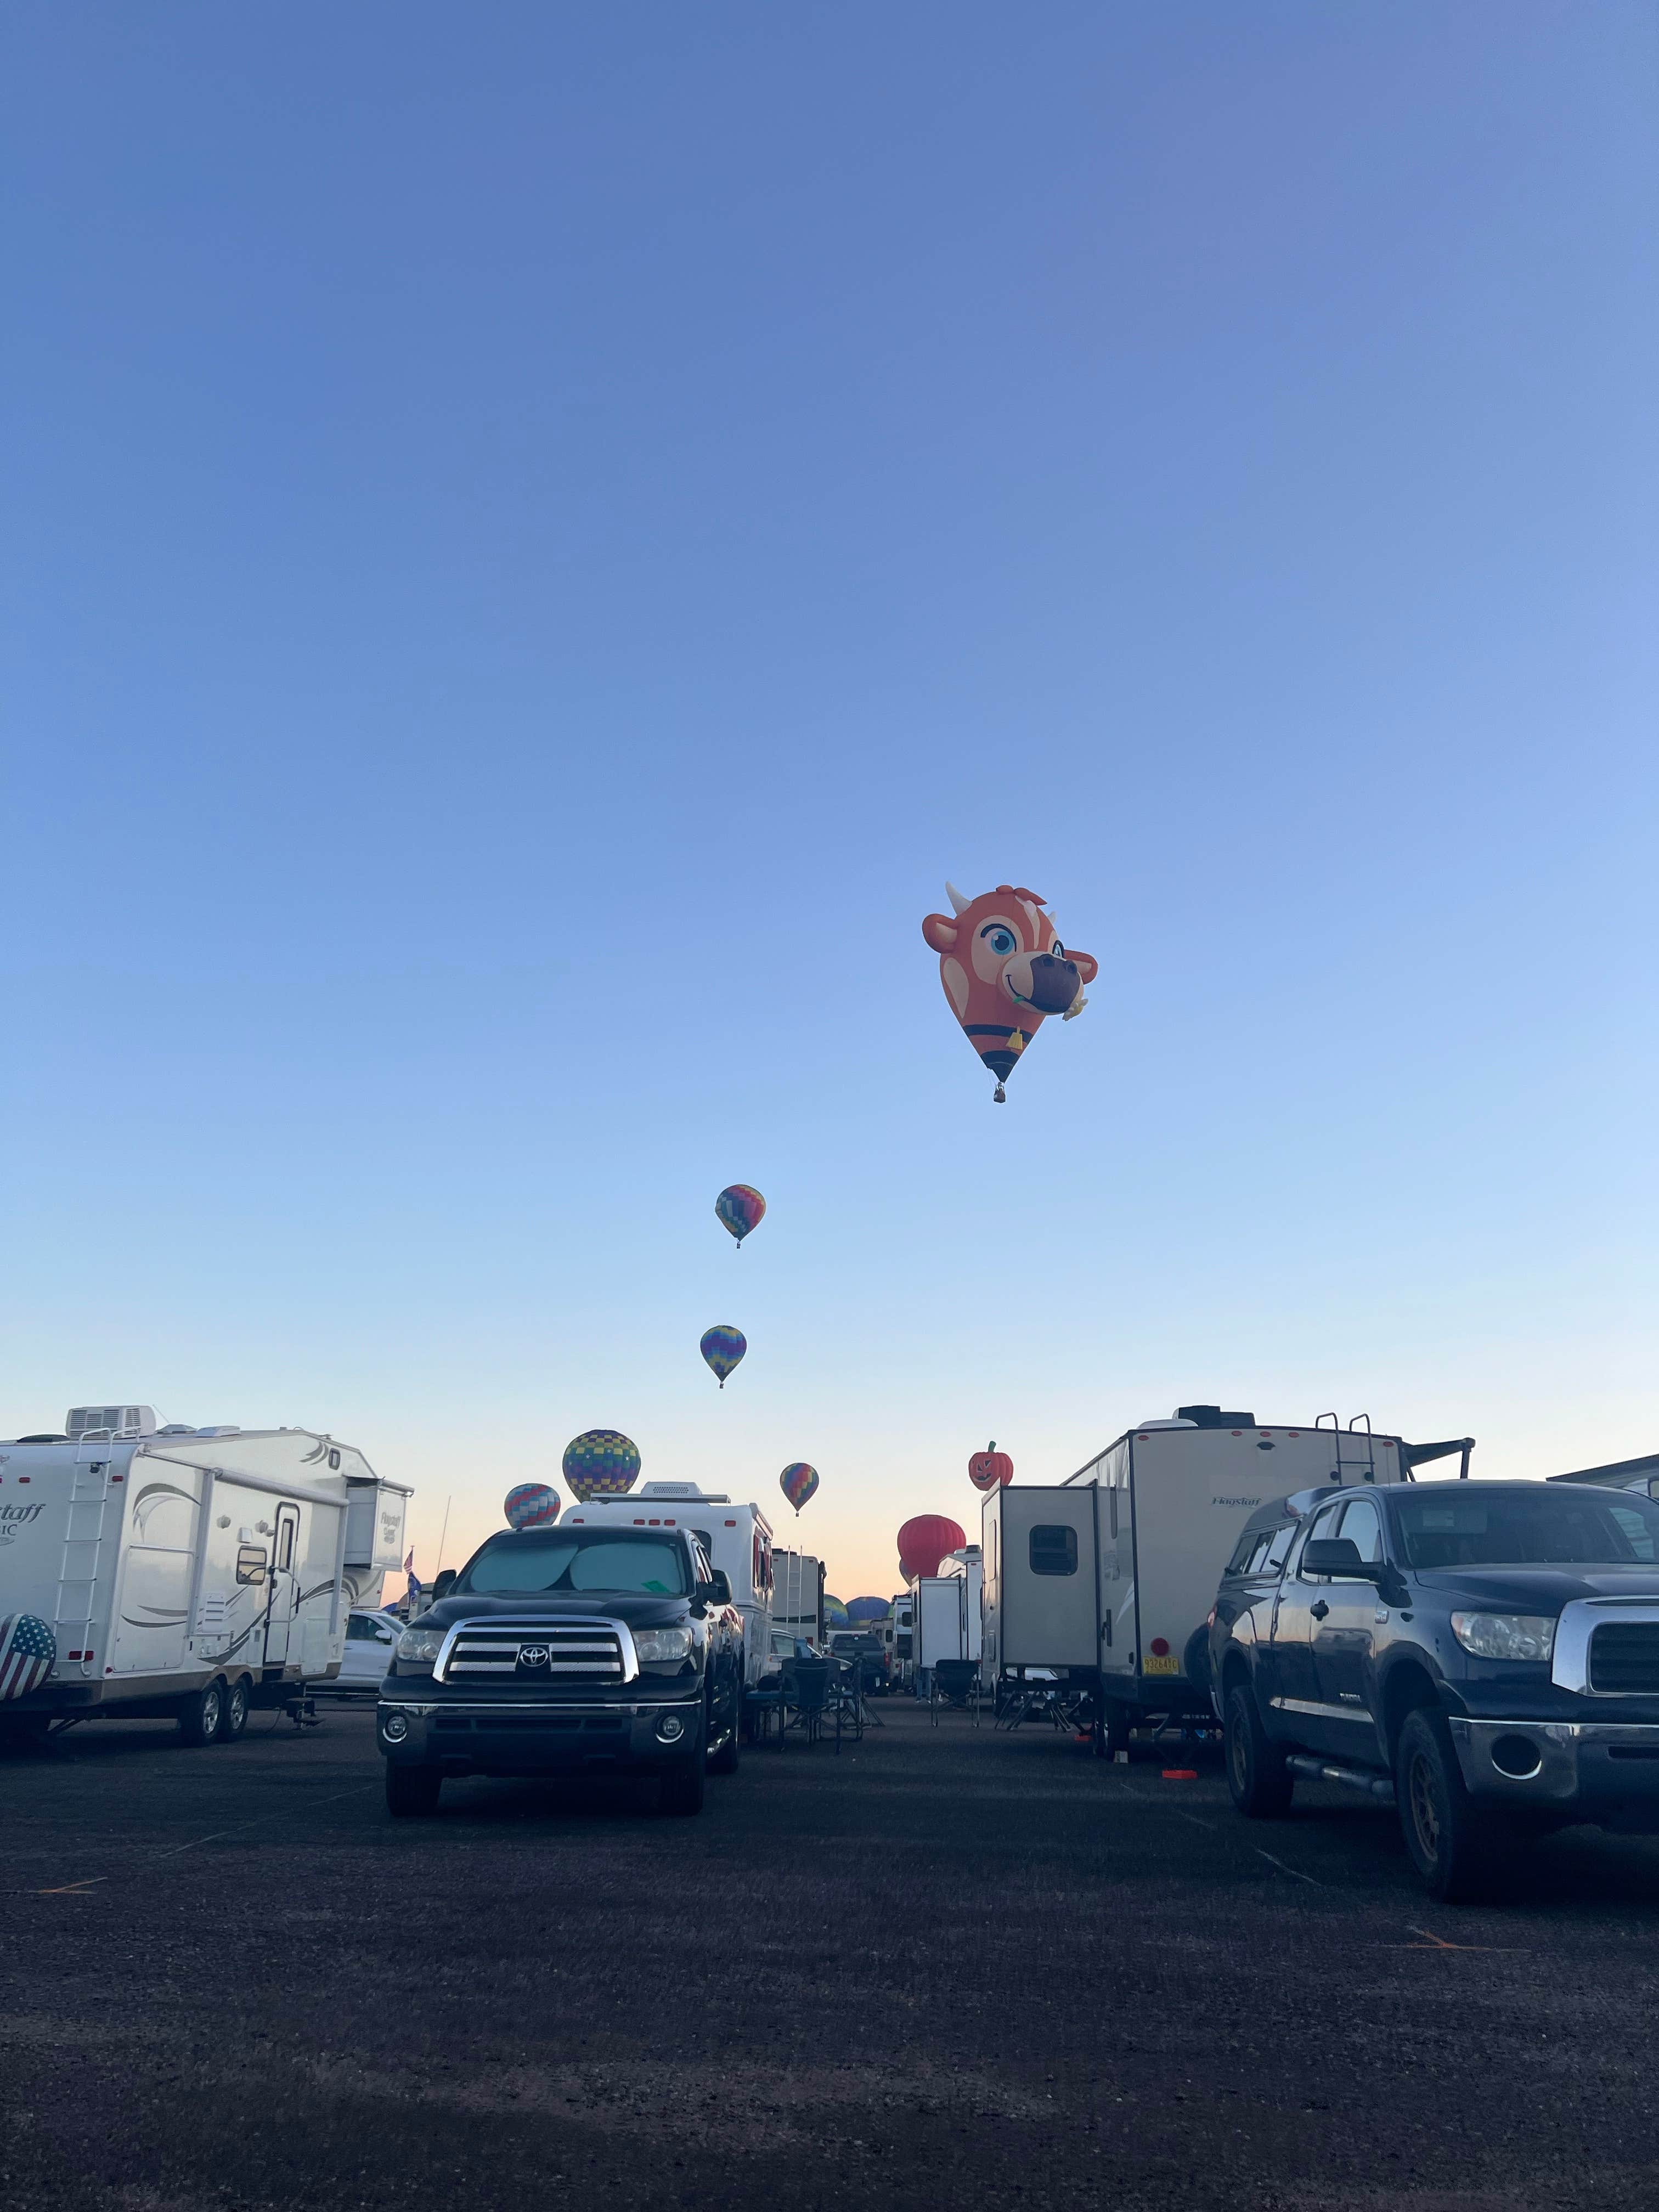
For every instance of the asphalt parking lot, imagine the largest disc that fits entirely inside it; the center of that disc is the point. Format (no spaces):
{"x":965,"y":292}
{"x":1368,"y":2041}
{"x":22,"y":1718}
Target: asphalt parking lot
{"x":948,"y":1966}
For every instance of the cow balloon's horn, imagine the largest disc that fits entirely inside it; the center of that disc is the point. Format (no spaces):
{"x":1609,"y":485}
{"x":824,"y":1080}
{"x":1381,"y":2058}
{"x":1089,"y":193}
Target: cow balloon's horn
{"x":958,"y":904}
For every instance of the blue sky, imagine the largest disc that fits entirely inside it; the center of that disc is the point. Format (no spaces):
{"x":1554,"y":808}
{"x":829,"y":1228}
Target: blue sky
{"x":537,"y":539}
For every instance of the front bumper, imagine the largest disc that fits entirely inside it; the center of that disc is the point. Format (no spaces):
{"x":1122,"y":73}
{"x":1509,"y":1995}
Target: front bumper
{"x":1606,"y":1772}
{"x":538,"y":1735}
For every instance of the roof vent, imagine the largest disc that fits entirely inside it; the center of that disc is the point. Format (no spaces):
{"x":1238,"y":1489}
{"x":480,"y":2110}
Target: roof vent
{"x":1212,"y":1417}
{"x":681,"y":1490}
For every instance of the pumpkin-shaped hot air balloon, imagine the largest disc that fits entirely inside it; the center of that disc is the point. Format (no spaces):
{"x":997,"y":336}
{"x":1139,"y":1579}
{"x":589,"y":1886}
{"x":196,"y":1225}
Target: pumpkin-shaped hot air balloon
{"x":532,"y":1505}
{"x":740,"y":1206}
{"x":923,"y":1542}
{"x":1004,"y":969}
{"x":798,"y":1482}
{"x":722,"y":1346}
{"x":988,"y":1468}
{"x":601,"y":1463}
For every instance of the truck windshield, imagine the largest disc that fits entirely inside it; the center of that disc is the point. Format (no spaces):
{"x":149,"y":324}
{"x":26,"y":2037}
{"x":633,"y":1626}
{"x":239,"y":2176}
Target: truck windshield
{"x":532,"y":1565}
{"x":1535,"y":1527}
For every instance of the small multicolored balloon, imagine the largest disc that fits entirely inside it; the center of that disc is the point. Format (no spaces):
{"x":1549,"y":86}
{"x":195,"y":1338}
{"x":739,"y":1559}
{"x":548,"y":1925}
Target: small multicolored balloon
{"x":798,"y":1482}
{"x":532,"y":1505}
{"x":722,"y":1346}
{"x":740,"y":1206}
{"x":601,"y":1463}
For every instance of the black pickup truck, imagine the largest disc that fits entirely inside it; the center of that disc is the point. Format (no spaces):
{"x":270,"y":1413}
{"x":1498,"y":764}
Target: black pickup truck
{"x":1484,"y":1655}
{"x":593,"y":1651}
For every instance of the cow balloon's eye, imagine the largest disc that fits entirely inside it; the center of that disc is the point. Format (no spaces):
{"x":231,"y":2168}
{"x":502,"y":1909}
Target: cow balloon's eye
{"x":1000,"y":940}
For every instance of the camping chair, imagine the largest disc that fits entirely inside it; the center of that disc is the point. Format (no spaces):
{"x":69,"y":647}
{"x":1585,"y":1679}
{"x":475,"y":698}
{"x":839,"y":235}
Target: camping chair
{"x":806,"y":1696}
{"x":955,"y":1682}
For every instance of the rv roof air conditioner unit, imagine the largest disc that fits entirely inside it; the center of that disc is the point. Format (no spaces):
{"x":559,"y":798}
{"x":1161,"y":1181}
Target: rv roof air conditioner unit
{"x":110,"y":1421}
{"x":1212,"y":1417}
{"x":682,"y":1490}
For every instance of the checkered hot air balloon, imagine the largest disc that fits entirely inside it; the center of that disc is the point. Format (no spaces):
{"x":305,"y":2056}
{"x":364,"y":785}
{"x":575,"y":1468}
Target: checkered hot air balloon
{"x":601,"y":1463}
{"x":798,"y":1482}
{"x":740,"y":1206}
{"x":27,"y":1653}
{"x":532,"y":1505}
{"x":722,"y":1346}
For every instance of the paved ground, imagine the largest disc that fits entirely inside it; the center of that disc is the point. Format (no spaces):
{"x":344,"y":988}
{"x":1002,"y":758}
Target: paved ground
{"x":947,"y":1967}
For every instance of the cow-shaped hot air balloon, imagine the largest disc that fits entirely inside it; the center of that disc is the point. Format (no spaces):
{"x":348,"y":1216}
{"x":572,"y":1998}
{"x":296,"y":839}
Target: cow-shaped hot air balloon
{"x":1005,"y":970}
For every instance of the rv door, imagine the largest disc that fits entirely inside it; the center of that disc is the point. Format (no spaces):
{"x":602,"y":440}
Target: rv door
{"x":283,"y":1589}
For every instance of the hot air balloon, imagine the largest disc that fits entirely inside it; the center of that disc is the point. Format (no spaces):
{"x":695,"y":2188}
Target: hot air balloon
{"x":835,"y":1612}
{"x":722,"y":1346}
{"x":1004,"y":969}
{"x":532,"y":1505}
{"x":923,"y":1542}
{"x":988,"y":1468}
{"x":740,"y":1206}
{"x":866,"y":1608}
{"x":601,"y":1463}
{"x":798,"y":1482}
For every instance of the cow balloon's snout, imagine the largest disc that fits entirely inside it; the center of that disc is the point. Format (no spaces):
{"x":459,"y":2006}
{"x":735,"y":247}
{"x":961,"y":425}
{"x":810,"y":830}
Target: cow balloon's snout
{"x":1042,"y":980}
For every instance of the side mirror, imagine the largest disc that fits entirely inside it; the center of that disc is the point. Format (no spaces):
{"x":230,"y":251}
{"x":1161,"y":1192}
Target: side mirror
{"x":1340,"y":1555}
{"x":717,"y":1590}
{"x":443,"y":1582}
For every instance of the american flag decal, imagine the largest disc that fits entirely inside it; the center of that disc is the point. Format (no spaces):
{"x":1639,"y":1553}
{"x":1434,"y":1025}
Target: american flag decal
{"x":26,"y":1654}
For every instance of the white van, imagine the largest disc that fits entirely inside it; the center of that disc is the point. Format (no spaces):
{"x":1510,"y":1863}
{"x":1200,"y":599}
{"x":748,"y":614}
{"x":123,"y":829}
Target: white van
{"x":737,"y":1538}
{"x":195,"y":1573}
{"x":1108,"y":1578}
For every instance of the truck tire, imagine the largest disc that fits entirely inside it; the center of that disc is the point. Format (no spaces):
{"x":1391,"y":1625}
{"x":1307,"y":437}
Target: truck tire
{"x":1259,"y":1781}
{"x":202,"y":1715}
{"x":235,"y":1715}
{"x":1452,"y":1846}
{"x":411,"y":1791}
{"x":683,"y":1785}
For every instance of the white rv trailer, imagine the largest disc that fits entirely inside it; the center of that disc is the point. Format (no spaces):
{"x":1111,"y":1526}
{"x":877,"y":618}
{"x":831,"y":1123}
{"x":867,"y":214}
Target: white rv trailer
{"x":797,"y":1598}
{"x":948,"y":1609}
{"x":737,"y":1538}
{"x":189,"y":1572}
{"x":1107,"y":1580}
{"x":898,"y":1637}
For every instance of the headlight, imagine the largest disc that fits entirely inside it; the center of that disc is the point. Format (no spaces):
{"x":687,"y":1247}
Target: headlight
{"x":658,"y":1644}
{"x":1505,"y":1635}
{"x":421,"y":1644}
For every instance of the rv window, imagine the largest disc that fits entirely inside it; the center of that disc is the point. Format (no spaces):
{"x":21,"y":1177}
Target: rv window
{"x":285,"y":1542}
{"x":251,"y":1563}
{"x":1053,"y":1551}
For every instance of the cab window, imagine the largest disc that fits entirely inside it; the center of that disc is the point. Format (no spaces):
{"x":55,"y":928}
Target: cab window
{"x":1279,"y":1546}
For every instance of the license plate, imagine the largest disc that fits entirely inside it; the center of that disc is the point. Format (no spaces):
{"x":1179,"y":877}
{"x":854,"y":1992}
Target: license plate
{"x":1169,"y":1664}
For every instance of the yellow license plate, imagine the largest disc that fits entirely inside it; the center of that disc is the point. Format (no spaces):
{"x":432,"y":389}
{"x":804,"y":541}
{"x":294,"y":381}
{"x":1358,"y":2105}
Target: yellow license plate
{"x":1169,"y":1664}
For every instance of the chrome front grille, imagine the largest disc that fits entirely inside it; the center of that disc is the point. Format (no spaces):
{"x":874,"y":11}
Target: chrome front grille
{"x":1624,"y":1655}
{"x":526,"y":1652}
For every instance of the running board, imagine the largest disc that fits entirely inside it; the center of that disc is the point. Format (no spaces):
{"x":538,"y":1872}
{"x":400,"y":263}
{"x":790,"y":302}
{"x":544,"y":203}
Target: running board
{"x":1376,"y":1786}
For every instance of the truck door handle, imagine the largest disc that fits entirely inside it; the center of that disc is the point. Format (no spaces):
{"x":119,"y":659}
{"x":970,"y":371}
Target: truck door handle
{"x":1319,"y":1609}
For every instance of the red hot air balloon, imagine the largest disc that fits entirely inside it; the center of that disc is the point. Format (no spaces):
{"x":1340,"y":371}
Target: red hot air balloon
{"x":923,"y":1542}
{"x":988,"y":1468}
{"x":1004,"y":969}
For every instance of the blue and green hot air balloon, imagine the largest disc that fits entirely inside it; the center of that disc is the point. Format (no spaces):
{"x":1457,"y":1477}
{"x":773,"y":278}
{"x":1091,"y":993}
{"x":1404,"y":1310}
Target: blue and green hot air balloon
{"x":722,"y":1346}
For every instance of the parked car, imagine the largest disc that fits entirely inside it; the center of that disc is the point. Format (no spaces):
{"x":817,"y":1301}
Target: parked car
{"x":562,"y":1651}
{"x":1484,"y":1655}
{"x":366,"y":1656}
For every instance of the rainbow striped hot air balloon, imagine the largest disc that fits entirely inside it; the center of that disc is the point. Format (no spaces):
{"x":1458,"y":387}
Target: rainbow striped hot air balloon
{"x":740,"y":1206}
{"x":798,"y":1482}
{"x":722,"y":1346}
{"x":532,"y":1505}
{"x":601,"y":1463}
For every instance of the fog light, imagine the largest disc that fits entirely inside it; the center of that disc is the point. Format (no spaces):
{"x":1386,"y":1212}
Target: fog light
{"x":1517,"y":1756}
{"x":394,"y":1728}
{"x":671,"y":1728}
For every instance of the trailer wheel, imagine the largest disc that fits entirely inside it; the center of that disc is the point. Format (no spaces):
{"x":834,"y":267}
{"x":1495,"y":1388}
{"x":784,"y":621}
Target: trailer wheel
{"x":411,"y":1791}
{"x":202,"y":1715}
{"x":1115,"y":1721}
{"x":235,"y":1718}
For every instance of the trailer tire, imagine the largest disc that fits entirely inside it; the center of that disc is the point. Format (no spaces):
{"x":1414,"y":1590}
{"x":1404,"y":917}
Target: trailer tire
{"x":1115,"y":1722}
{"x":235,"y":1716}
{"x":202,"y":1715}
{"x":411,"y":1792}
{"x":1259,"y":1781}
{"x":25,"y":1732}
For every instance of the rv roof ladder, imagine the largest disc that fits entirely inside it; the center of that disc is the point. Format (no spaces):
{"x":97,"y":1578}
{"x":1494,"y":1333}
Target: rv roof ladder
{"x":76,"y":1618}
{"x":1359,"y":1465}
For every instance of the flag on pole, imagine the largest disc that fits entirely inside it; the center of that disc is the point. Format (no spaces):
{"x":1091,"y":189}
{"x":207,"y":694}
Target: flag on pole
{"x":27,"y":1652}
{"x":414,"y":1589}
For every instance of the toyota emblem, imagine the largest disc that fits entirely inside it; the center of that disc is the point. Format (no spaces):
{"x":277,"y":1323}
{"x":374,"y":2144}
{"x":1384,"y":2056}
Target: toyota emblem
{"x":533,"y":1654}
